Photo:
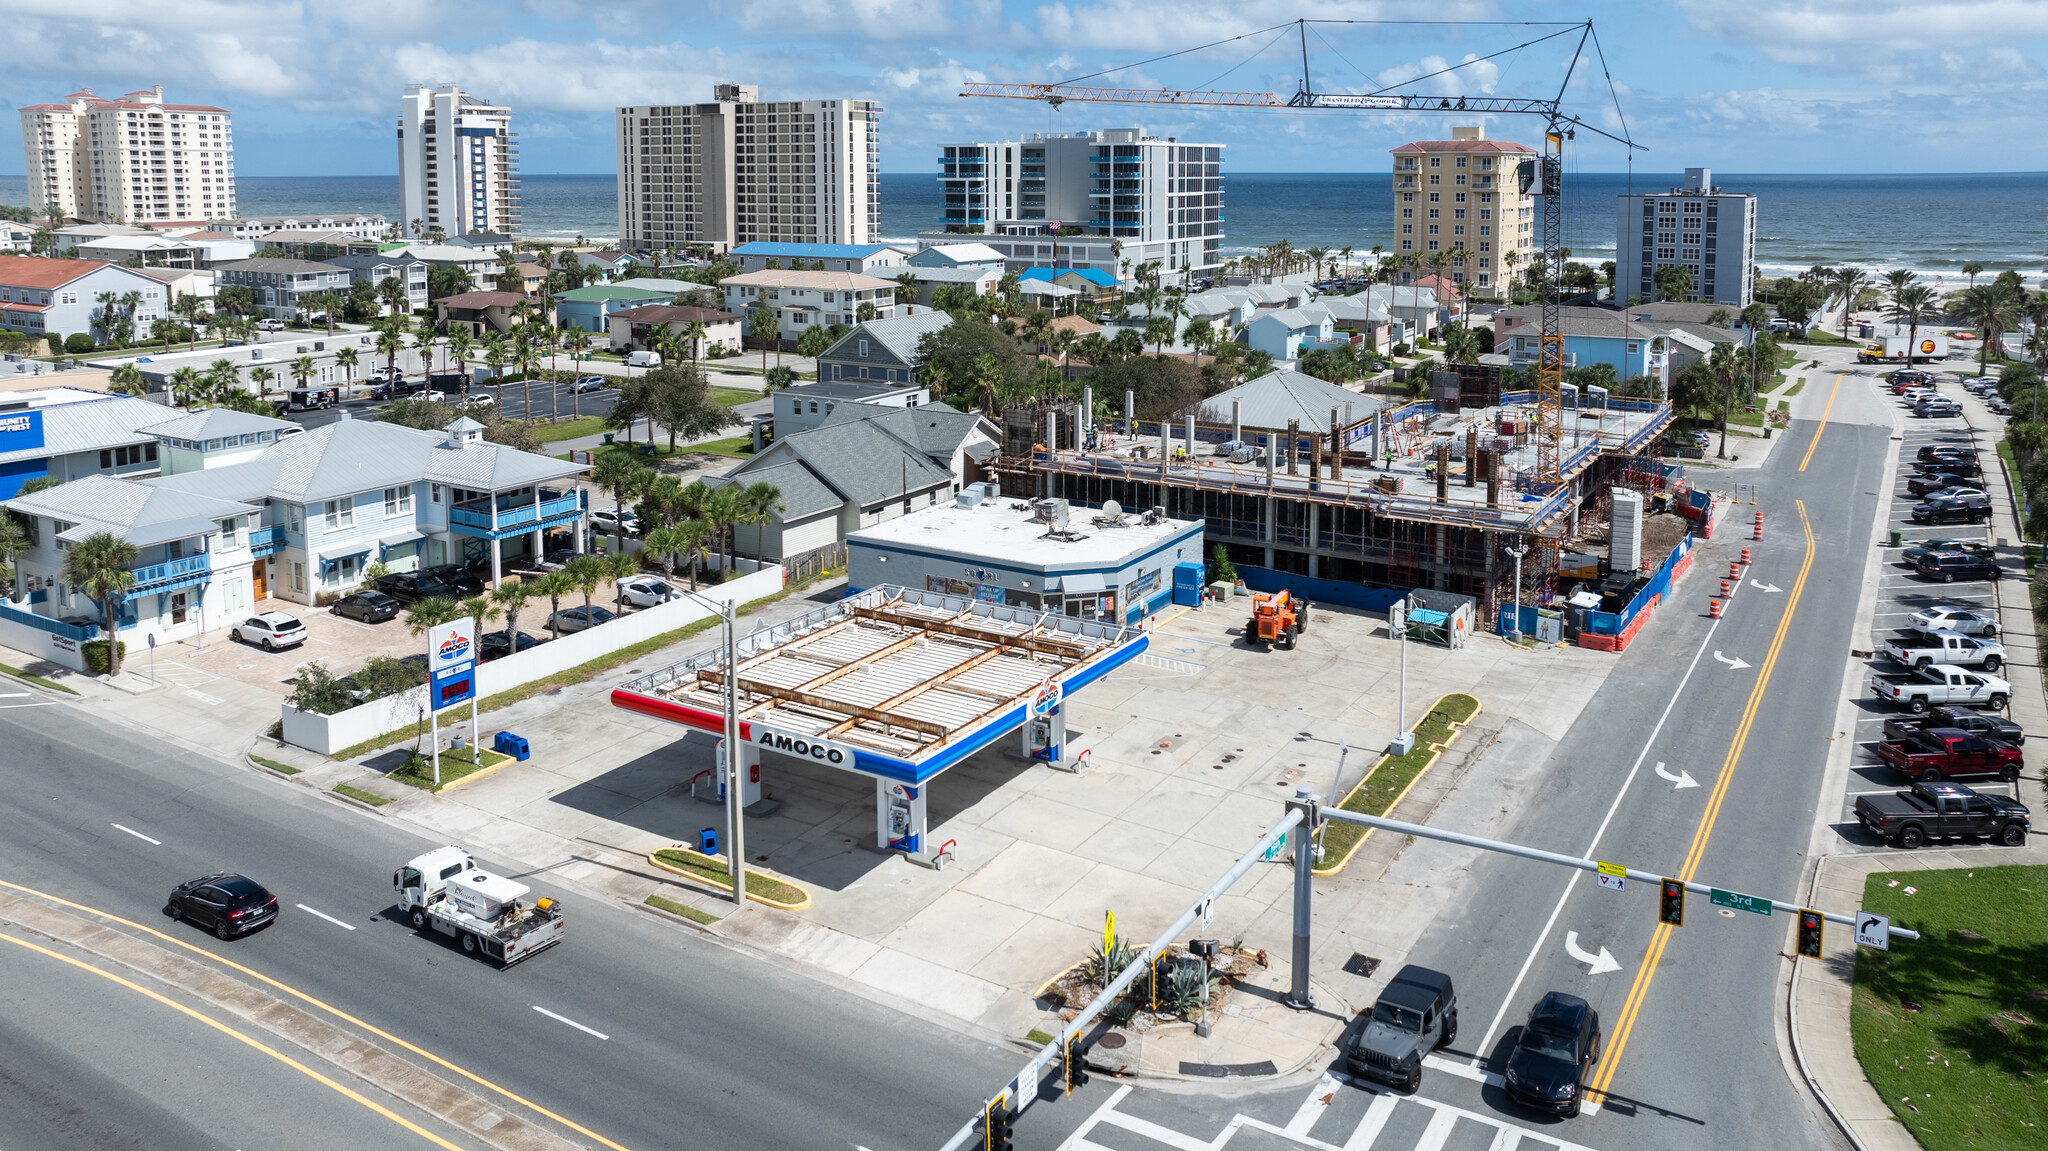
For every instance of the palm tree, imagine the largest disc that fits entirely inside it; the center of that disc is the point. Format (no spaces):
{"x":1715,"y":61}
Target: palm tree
{"x":761,"y":502}
{"x":389,"y":344}
{"x":588,"y":573}
{"x":495,"y":356}
{"x":619,"y":566}
{"x":1158,"y":330}
{"x":695,"y":332}
{"x":1971,"y":270}
{"x":1848,"y":283}
{"x":554,"y":585}
{"x":765,"y":327}
{"x":481,"y":610}
{"x":511,"y":595}
{"x":1063,"y":340}
{"x":183,"y":383}
{"x":988,"y":377}
{"x":1991,"y":310}
{"x":523,"y":358}
{"x":125,"y":379}
{"x":431,"y":613}
{"x":1726,"y":368}
{"x":302,"y":369}
{"x":461,"y":346}
{"x":392,"y":294}
{"x":345,"y":359}
{"x":99,"y":565}
{"x":1910,"y":305}
{"x":261,"y":377}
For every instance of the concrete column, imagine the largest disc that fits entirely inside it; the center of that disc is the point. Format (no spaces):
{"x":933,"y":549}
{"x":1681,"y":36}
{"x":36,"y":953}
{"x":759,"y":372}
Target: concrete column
{"x":1293,"y":434}
{"x":1052,"y":430}
{"x":497,"y":562}
{"x":1271,"y":450}
{"x":1130,"y":413}
{"x":1471,"y":456}
{"x":1491,"y":461}
{"x":1443,"y":556}
{"x":1191,"y":433}
{"x":1237,"y":421}
{"x":1088,"y":405}
{"x":1443,"y":471}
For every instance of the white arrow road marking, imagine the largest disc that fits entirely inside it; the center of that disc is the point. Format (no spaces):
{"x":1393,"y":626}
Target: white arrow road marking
{"x":1678,"y":782}
{"x":1762,"y":586}
{"x":570,"y":1022}
{"x":139,"y":835}
{"x":1600,"y":964}
{"x":1733,"y":664}
{"x":327,"y":917}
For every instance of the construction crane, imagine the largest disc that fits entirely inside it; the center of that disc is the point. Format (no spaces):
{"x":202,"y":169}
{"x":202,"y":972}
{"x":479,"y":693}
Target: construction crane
{"x":1542,"y":175}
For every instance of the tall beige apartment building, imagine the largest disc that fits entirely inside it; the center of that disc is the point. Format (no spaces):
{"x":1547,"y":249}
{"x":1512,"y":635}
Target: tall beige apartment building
{"x":1462,"y":195}
{"x":737,"y":170}
{"x":132,"y":160}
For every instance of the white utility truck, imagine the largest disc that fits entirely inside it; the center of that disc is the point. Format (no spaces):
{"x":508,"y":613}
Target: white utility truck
{"x":445,"y":890}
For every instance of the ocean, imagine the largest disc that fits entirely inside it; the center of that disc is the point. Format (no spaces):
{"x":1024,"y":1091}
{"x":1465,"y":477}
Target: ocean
{"x":1932,"y":224}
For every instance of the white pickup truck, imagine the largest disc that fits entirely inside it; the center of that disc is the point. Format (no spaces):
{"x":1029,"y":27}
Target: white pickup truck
{"x":1938,"y":684}
{"x":1918,"y":649}
{"x":445,"y":890}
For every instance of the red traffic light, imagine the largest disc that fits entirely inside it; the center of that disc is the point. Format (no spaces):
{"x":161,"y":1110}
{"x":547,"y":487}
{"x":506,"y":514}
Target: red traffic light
{"x":1671,"y":903}
{"x":1810,"y":927}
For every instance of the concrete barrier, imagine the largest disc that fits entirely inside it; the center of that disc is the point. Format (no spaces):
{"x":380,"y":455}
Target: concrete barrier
{"x":328,"y":734}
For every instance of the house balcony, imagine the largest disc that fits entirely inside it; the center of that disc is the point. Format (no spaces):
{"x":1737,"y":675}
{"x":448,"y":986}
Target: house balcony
{"x":265,"y":541}
{"x":171,"y":575}
{"x":478,"y":518}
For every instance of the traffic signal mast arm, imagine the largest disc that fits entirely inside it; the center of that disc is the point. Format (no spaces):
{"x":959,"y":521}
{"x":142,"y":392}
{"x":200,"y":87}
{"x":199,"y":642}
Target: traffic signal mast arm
{"x":1538,"y":854}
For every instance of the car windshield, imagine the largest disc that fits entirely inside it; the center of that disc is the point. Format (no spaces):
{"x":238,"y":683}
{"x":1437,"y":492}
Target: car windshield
{"x":1548,"y":1044}
{"x":1401,"y":1017}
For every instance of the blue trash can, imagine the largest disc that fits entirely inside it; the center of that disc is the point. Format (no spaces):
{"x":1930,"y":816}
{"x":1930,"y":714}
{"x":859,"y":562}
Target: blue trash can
{"x":707,"y":841}
{"x":512,"y":745}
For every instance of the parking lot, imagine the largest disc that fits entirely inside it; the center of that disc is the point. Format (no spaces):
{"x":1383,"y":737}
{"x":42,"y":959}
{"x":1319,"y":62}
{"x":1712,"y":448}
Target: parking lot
{"x":342,"y":645}
{"x":1902,"y":591}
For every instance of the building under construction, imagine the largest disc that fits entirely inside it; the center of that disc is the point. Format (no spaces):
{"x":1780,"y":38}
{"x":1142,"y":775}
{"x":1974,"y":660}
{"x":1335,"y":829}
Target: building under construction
{"x":1347,"y":499}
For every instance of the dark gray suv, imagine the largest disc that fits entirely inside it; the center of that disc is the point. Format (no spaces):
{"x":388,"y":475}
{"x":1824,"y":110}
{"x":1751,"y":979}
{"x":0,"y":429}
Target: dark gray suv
{"x":1415,"y":1015}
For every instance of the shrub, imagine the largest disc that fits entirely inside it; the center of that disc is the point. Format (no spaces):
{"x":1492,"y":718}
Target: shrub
{"x":1103,"y":967}
{"x":317,"y":692}
{"x":78,"y":342}
{"x":96,"y":655}
{"x":1187,"y":990}
{"x":1220,"y":567}
{"x":1400,"y":349}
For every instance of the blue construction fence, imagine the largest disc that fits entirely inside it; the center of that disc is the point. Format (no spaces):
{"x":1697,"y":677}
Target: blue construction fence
{"x":1322,"y":591}
{"x":1612,"y":623}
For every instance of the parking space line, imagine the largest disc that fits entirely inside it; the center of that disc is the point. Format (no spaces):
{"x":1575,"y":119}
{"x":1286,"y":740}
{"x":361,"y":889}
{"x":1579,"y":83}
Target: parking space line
{"x":139,"y":835}
{"x":569,"y":1021}
{"x":327,"y":917}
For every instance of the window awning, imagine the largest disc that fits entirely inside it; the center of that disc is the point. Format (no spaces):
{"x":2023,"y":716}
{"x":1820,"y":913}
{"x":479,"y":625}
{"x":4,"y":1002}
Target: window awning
{"x":407,"y":539}
{"x":1083,"y":583}
{"x":327,"y":562}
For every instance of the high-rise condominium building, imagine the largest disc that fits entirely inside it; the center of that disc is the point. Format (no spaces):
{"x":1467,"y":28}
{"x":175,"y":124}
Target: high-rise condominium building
{"x":458,"y":163}
{"x":737,"y":170}
{"x":132,"y":160}
{"x":1460,"y":198}
{"x":1698,"y":227}
{"x":1160,"y":198}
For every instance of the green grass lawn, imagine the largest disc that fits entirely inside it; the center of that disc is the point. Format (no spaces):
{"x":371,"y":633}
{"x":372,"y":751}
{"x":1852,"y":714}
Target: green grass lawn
{"x":357,"y":793}
{"x":1376,"y":793}
{"x":1817,"y":336}
{"x":280,"y":768}
{"x":682,"y":909}
{"x":455,"y":765}
{"x":570,"y":429}
{"x":1952,"y":1028}
{"x":713,"y":870}
{"x":1795,"y":388}
{"x":39,"y":681}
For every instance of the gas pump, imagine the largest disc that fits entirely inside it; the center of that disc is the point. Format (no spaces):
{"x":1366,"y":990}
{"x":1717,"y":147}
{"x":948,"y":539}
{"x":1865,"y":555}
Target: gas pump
{"x":1045,"y":727}
{"x":902,"y":815}
{"x":750,"y":772}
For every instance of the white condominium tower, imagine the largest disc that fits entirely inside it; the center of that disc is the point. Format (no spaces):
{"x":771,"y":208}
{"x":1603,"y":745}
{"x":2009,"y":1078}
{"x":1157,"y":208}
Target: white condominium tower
{"x":737,"y":170}
{"x":1698,"y":227}
{"x":458,"y":163}
{"x":132,"y":160}
{"x":1161,"y":199}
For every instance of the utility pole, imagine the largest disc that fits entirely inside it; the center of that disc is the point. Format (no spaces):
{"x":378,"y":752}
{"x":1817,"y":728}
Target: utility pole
{"x":1517,"y":553}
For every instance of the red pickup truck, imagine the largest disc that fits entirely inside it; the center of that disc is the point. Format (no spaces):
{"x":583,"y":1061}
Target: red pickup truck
{"x":1937,"y":753}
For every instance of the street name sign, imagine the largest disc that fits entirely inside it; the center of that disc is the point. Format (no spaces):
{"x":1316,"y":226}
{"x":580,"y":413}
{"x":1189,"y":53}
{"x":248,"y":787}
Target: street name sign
{"x":1754,"y":904}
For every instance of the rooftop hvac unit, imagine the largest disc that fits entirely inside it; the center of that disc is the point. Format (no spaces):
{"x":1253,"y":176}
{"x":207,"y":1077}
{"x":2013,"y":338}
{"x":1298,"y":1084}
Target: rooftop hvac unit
{"x":1050,"y":511}
{"x":968,"y":497}
{"x":1625,"y":531}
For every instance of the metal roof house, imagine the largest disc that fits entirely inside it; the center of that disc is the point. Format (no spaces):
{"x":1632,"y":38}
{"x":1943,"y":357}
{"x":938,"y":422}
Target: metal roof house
{"x":299,"y":519}
{"x":70,"y":433}
{"x":865,"y":259}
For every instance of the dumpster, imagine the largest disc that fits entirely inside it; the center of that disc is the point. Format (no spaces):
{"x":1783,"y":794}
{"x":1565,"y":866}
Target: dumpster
{"x":707,"y":840}
{"x":512,"y":745}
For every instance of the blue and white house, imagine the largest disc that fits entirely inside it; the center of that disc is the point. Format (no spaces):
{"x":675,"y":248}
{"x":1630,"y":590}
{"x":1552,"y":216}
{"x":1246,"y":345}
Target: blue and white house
{"x":299,"y":520}
{"x":71,"y":433}
{"x":1284,"y":333}
{"x":863,"y":259}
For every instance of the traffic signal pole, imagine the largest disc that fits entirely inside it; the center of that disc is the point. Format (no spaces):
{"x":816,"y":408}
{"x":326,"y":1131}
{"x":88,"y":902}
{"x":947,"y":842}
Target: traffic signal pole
{"x":1539,"y":855}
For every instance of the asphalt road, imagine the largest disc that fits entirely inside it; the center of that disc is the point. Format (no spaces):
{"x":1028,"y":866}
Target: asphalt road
{"x":703,"y":1045}
{"x":1684,"y":762}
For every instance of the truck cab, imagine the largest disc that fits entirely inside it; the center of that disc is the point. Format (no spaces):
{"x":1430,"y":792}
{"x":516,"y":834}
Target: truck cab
{"x":425,"y":880}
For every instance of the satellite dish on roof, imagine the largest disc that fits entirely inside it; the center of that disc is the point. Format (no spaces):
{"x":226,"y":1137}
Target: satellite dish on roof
{"x":1112,"y":511}
{"x":1059,"y":520}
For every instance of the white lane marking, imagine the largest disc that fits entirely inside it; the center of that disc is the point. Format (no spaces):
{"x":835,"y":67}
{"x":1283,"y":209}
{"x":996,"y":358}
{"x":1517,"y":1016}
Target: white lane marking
{"x":327,"y":917}
{"x":1735,"y":663}
{"x":14,"y":695}
{"x":1155,"y":1132}
{"x":41,"y":703}
{"x":570,"y":1022}
{"x":1312,"y":1108}
{"x":1080,"y":1133}
{"x":1678,"y":782}
{"x":1601,"y":964}
{"x":1462,"y":1070}
{"x":1486,"y":1041}
{"x":1376,"y":1115}
{"x":140,"y":836}
{"x":1438,"y":1132}
{"x":1762,"y":586}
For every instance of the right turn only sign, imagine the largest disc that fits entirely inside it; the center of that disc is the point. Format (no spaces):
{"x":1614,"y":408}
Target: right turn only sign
{"x":1873,"y":931}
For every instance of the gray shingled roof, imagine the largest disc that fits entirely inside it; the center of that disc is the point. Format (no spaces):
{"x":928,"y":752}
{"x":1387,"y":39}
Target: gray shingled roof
{"x":803,"y":493}
{"x":90,"y":425}
{"x":899,"y":334}
{"x":859,"y":460}
{"x":268,"y":264}
{"x":1277,"y":397}
{"x":935,"y":429}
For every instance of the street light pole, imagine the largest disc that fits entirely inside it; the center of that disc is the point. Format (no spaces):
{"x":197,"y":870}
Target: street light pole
{"x":1517,"y":553}
{"x":734,"y":813}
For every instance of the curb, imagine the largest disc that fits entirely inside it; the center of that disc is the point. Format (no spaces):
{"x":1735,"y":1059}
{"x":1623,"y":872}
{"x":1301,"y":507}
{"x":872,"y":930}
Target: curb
{"x":474,"y":775}
{"x":1457,"y":729}
{"x":706,"y":885}
{"x":672,"y":917}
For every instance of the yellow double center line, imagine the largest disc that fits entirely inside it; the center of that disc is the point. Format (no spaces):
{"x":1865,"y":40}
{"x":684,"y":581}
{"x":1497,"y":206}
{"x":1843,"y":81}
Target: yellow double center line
{"x":1603,"y":1075}
{"x":1832,"y":393}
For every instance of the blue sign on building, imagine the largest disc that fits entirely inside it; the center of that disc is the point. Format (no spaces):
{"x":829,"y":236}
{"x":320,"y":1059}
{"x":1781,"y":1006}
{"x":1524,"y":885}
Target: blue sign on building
{"x":20,"y":431}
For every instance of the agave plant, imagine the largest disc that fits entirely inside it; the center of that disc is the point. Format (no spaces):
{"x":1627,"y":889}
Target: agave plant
{"x":1104,"y":965}
{"x":1188,"y":987}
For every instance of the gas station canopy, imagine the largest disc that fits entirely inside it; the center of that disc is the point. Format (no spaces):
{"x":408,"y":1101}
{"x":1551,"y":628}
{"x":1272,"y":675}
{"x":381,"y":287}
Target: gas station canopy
{"x":893,"y":683}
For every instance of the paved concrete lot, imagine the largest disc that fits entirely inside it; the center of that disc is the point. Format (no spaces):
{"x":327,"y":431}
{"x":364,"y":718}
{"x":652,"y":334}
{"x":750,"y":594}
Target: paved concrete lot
{"x":342,"y":645}
{"x":1191,"y":751}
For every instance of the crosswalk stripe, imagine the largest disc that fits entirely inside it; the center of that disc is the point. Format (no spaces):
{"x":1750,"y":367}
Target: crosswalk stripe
{"x":1376,"y":1115}
{"x":1312,"y":1108}
{"x":1438,"y":1132}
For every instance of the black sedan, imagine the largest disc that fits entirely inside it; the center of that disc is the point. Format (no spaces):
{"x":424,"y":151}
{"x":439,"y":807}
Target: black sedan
{"x":366,"y":606}
{"x":495,"y":644}
{"x":1547,"y":1069}
{"x":230,"y":904}
{"x":1911,"y":555}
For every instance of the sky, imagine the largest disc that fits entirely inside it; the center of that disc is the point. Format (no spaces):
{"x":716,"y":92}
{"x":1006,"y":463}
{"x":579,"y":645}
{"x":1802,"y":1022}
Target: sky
{"x":1868,"y":86}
